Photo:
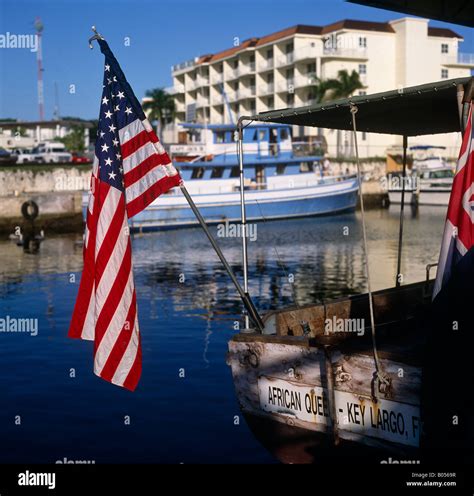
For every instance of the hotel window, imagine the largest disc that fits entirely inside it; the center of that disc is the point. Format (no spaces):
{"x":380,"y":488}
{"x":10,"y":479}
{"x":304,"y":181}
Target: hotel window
{"x":364,"y":135}
{"x":270,"y":54}
{"x":362,"y":92}
{"x":444,"y":48}
{"x":290,"y":99}
{"x":444,"y":74}
{"x":362,"y":42}
{"x":362,"y":69}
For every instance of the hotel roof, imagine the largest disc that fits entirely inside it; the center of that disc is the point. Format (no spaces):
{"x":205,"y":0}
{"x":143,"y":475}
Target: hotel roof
{"x":346,"y":24}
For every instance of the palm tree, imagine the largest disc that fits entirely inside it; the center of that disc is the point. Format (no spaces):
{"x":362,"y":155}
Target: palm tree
{"x":343,"y":87}
{"x":319,"y":89}
{"x":319,"y":93}
{"x":160,"y":107}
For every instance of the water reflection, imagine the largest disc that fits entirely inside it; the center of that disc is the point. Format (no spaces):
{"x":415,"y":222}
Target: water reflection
{"x":322,"y":258}
{"x":187,"y":309}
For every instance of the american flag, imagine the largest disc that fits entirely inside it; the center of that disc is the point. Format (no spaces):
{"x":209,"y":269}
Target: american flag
{"x":458,"y":236}
{"x":130,"y":170}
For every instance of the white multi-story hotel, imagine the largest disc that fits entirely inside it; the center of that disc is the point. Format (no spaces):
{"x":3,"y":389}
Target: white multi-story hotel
{"x":279,"y":70}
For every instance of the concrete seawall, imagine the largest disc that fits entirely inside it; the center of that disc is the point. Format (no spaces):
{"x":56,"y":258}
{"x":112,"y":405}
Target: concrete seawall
{"x":56,"y":191}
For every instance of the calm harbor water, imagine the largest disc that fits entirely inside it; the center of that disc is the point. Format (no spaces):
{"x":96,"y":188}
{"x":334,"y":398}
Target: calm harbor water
{"x":187,"y":309}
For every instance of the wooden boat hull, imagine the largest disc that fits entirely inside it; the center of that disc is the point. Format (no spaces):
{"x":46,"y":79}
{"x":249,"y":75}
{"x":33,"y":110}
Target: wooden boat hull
{"x":308,"y":397}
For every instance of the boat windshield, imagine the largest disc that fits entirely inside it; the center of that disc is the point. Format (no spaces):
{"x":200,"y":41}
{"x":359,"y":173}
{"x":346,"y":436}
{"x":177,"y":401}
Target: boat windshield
{"x":438,"y":174}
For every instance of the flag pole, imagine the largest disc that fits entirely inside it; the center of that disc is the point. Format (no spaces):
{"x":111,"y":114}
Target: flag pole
{"x":247,"y":301}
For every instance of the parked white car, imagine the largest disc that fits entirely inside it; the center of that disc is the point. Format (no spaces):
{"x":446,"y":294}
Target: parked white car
{"x":52,"y":152}
{"x":24,"y":155}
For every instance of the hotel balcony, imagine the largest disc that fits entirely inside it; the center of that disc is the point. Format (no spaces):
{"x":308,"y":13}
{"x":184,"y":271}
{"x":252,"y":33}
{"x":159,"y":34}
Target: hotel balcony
{"x":202,"y":101}
{"x":246,"y":69}
{"x":191,"y":85}
{"x":245,"y":93}
{"x":285,"y":86}
{"x":266,"y":89}
{"x":461,"y":60}
{"x":217,"y":79}
{"x":266,"y":65}
{"x":202,"y":81}
{"x":304,"y":80}
{"x":183,"y":66}
{"x":217,"y":99}
{"x":179,"y":106}
{"x":345,"y":53}
{"x":232,"y":74}
{"x":287,"y":59}
{"x":175,"y":90}
{"x":305,"y":53}
{"x":231,"y":96}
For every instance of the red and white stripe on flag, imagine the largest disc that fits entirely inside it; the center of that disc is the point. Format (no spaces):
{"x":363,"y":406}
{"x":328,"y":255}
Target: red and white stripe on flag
{"x":458,"y":235}
{"x":106,"y":307}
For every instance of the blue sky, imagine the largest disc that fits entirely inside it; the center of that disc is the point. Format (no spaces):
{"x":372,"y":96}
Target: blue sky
{"x":161,"y":33}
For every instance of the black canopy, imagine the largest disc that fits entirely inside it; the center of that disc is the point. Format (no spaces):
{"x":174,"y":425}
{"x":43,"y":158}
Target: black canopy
{"x":426,"y":109}
{"x":455,"y":11}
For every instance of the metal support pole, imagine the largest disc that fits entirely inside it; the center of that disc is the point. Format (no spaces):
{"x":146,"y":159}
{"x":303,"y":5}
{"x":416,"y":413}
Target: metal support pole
{"x":402,"y":210}
{"x":243,"y":215}
{"x":248,"y":303}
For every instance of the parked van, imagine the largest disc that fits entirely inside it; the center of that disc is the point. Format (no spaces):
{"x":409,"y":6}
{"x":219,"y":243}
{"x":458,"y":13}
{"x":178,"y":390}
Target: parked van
{"x":24,"y":155}
{"x":52,"y":153}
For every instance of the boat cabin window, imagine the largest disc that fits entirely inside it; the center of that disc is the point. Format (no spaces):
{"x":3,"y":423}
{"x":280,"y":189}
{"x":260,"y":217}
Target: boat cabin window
{"x":284,"y":134}
{"x":262,"y":135}
{"x":220,"y":137}
{"x":217,"y":172}
{"x":235,"y":171}
{"x":250,"y":135}
{"x":198,"y":173}
{"x":439,"y":174}
{"x":280,"y":169}
{"x":306,"y":167}
{"x":223,"y":137}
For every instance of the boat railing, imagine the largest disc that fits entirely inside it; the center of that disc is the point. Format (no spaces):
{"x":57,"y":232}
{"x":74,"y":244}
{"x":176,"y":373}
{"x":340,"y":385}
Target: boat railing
{"x":302,"y":148}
